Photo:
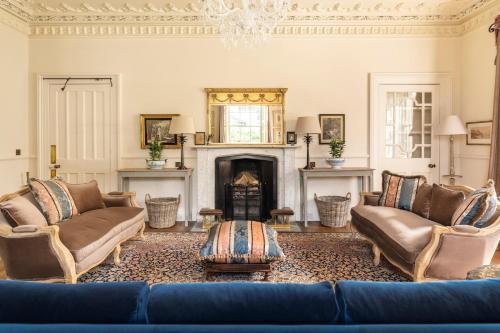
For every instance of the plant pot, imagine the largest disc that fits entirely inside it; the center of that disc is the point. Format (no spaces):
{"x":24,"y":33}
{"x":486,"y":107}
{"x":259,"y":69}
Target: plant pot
{"x":336,"y":163}
{"x":152,"y":164}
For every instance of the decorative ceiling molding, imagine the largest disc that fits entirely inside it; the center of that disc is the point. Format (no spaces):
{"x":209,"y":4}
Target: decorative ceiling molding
{"x":421,"y":18}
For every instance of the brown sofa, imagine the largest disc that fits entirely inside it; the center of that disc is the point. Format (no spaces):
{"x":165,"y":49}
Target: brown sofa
{"x":421,"y":248}
{"x":67,"y":250}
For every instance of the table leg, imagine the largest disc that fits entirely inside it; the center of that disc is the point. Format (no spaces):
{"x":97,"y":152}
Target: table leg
{"x":186,"y":201}
{"x":305,"y":202}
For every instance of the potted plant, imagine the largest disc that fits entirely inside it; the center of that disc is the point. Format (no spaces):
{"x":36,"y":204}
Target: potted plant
{"x":336,"y":150}
{"x":155,"y":161}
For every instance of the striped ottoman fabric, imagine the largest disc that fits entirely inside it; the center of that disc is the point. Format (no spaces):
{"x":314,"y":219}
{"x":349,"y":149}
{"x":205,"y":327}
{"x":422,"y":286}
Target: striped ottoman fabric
{"x":241,"y":242}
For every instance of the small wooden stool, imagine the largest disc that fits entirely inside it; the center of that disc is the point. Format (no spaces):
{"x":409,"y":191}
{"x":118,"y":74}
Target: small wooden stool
{"x":281,"y":218}
{"x":207,"y":214}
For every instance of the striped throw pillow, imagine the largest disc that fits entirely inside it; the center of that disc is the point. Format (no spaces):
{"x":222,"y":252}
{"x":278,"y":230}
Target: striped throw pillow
{"x":241,"y":242}
{"x":399,"y":191}
{"x":54,"y":199}
{"x":478,"y":207}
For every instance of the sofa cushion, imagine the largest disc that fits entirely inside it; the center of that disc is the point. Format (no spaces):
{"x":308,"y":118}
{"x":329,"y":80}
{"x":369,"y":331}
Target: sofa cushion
{"x":21,"y":211}
{"x":399,"y":191}
{"x":423,"y":303}
{"x":242,"y":303}
{"x":54,"y":198}
{"x":422,"y":203}
{"x":404,"y":231}
{"x":88,"y":303}
{"x":86,"y":196}
{"x":85,"y":233}
{"x":444,"y":203}
{"x":477,"y":208}
{"x":241,"y":242}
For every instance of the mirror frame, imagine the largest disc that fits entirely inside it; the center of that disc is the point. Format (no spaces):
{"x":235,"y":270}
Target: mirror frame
{"x":226,"y":96}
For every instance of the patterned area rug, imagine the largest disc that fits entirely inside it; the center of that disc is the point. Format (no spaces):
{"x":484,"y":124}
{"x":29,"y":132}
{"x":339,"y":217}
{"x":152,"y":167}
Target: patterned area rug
{"x":310,"y":257}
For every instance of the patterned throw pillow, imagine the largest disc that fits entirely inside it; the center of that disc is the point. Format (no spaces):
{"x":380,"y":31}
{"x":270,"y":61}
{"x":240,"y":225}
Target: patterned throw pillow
{"x":241,"y":242}
{"x":54,"y":198}
{"x":399,"y":191}
{"x":478,"y":207}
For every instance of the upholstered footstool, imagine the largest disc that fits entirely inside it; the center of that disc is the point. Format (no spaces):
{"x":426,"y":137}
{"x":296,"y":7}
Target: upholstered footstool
{"x":281,"y":218}
{"x":240,"y":247}
{"x":210,"y":214}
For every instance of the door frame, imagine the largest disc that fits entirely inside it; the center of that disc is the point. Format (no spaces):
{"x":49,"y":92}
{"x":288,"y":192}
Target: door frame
{"x":377,"y":80}
{"x":115,"y":119}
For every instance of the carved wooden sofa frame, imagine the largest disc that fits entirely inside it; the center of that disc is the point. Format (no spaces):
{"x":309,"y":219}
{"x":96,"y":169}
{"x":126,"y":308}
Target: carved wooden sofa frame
{"x":435,"y":251}
{"x":57,"y":253}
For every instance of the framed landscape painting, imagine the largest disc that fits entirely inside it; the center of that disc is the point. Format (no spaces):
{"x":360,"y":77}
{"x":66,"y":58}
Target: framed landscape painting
{"x":332,"y":126}
{"x":479,"y":132}
{"x":157,"y":127}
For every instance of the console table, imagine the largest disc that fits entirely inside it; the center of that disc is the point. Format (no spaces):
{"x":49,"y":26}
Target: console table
{"x":364,"y":176}
{"x":124,"y":176}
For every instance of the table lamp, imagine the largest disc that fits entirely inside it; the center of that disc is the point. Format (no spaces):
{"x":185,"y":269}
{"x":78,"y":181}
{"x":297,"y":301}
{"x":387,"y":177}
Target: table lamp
{"x":451,"y":126}
{"x":307,"y":126}
{"x":181,"y":126}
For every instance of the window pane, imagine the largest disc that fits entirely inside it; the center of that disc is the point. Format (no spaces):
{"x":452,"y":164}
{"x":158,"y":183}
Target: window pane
{"x":406,"y":130}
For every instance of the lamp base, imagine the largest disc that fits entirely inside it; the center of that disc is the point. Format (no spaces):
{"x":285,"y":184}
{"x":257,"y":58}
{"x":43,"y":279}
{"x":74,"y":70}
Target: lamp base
{"x":182,"y":167}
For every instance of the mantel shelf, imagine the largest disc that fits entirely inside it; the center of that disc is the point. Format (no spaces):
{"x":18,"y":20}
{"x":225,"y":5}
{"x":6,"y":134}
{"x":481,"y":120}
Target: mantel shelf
{"x":256,"y":146}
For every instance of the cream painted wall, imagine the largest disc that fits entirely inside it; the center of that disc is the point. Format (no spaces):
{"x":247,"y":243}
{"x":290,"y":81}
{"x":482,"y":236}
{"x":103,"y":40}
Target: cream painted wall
{"x":14,"y":121}
{"x":168,"y":76}
{"x":478,"y":81}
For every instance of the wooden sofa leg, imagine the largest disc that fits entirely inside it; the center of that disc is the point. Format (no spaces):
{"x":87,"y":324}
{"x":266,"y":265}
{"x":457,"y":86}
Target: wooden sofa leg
{"x":141,"y":232}
{"x":376,"y":255}
{"x":72,"y":279}
{"x":116,"y":255}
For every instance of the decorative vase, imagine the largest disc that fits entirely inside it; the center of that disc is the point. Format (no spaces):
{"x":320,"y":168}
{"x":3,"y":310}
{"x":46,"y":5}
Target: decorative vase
{"x":336,"y":163}
{"x":154,"y":164}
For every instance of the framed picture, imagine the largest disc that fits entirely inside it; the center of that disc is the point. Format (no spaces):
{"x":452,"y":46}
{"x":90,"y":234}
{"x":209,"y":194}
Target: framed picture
{"x":479,"y":132}
{"x":291,"y":138}
{"x":156,"y":127}
{"x":199,"y":139}
{"x":332,"y":126}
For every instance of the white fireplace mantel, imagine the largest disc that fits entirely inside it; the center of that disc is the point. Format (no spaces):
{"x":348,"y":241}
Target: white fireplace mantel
{"x":287,"y":172}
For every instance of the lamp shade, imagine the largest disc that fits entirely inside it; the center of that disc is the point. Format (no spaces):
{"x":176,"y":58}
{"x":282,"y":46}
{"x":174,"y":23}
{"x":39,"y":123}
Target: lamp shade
{"x":182,"y":125}
{"x":452,"y":125}
{"x":307,"y":125}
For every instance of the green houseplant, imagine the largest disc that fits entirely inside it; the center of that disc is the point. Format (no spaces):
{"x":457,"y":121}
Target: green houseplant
{"x":336,"y":150}
{"x":155,"y":161}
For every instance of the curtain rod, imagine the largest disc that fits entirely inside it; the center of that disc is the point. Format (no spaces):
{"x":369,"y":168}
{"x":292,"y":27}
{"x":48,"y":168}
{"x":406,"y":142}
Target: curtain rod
{"x":492,"y":27}
{"x":79,"y":78}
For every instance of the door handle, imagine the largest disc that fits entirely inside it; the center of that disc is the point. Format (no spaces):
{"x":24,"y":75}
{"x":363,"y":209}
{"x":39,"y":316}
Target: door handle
{"x":431,"y":165}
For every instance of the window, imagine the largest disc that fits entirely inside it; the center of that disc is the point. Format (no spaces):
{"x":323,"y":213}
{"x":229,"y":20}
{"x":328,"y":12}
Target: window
{"x":247,"y":123}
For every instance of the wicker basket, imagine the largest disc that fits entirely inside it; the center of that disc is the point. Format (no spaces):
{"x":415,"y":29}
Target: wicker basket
{"x":162,"y":212}
{"x":333,"y":210}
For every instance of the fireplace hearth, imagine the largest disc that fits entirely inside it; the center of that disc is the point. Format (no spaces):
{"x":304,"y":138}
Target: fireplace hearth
{"x":246,"y":186}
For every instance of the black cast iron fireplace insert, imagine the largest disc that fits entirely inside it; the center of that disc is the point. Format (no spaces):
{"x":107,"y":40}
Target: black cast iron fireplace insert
{"x":246,"y":186}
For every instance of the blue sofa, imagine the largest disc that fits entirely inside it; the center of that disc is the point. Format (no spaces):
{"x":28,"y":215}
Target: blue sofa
{"x":351,"y":306}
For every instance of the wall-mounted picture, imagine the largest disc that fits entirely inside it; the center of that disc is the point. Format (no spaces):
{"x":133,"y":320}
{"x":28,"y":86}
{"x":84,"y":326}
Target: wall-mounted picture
{"x":332,"y":126}
{"x":291,"y":138}
{"x":157,"y":127}
{"x":479,"y":132}
{"x":199,"y":139}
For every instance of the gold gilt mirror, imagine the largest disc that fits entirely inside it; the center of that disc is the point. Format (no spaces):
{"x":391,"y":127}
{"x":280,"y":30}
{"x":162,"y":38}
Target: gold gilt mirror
{"x":246,"y":116}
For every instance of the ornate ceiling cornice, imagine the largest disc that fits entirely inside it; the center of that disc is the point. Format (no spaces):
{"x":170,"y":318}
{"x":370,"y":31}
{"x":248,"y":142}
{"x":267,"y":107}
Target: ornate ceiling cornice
{"x":104,"y":19}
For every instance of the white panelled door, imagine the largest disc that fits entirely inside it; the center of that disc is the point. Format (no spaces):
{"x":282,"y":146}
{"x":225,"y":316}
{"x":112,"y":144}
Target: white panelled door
{"x":81,"y":122}
{"x":406,"y":142}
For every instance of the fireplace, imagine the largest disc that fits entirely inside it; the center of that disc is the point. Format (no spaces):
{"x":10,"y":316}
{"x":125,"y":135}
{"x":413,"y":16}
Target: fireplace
{"x":246,"y":186}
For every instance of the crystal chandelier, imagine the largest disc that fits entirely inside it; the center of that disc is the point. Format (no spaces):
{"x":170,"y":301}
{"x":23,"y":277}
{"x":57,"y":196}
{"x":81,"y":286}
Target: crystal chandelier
{"x":246,"y":22}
